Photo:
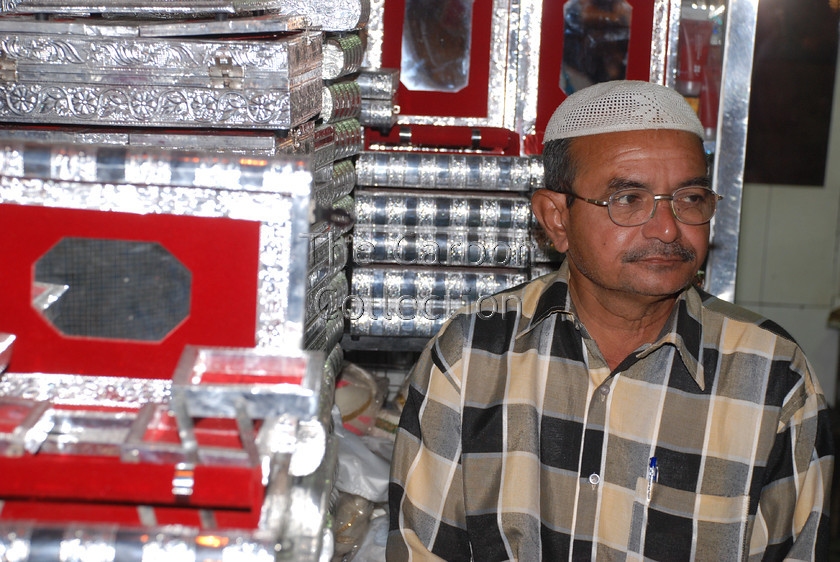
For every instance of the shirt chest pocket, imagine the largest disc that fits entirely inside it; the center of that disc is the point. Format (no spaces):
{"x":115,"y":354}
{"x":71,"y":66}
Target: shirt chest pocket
{"x":672,"y":524}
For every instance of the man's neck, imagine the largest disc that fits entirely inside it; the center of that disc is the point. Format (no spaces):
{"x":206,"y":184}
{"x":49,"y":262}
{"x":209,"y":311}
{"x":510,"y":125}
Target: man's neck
{"x":619,"y":322}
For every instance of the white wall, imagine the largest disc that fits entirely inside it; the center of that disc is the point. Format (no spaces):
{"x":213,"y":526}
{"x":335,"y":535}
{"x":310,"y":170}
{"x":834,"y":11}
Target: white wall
{"x":788,"y":258}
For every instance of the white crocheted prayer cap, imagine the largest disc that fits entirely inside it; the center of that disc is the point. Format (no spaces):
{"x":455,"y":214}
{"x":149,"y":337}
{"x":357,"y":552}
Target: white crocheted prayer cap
{"x":622,"y":105}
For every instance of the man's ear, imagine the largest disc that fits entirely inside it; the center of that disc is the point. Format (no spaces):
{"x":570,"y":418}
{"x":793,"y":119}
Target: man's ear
{"x":552,"y":213}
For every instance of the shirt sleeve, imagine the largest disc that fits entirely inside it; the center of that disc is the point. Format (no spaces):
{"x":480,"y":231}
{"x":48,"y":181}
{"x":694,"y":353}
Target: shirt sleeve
{"x":426,"y":501}
{"x":792,"y":521}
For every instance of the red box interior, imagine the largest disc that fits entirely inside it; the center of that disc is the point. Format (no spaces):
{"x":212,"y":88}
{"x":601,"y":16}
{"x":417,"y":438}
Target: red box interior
{"x":221,"y":254}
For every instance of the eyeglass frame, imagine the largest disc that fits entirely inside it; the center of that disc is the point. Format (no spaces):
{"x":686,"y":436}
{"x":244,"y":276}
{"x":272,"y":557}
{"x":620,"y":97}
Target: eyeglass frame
{"x":656,"y":200}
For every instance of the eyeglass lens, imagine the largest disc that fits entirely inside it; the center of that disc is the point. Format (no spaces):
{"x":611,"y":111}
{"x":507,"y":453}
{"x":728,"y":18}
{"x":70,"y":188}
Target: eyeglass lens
{"x":635,"y":206}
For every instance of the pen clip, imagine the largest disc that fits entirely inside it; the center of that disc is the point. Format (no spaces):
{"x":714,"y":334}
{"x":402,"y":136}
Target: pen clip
{"x":652,"y":475}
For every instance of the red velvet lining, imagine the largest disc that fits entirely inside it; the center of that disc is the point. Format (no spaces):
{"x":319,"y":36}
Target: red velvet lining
{"x":222,"y":254}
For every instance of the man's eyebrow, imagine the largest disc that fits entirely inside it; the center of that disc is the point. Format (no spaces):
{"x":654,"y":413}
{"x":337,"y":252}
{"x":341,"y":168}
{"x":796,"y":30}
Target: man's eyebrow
{"x":699,"y":181}
{"x":624,"y":183}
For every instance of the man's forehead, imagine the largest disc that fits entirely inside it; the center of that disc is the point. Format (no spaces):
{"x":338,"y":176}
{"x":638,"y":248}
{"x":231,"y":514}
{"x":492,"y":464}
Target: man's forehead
{"x":623,"y":152}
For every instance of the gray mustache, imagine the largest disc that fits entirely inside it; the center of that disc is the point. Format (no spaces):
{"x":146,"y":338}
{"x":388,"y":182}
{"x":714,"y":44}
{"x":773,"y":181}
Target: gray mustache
{"x":668,"y":251}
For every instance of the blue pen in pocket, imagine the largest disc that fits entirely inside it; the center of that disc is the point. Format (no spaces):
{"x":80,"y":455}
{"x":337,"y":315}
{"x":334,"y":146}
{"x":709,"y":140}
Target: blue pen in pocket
{"x":652,"y":475}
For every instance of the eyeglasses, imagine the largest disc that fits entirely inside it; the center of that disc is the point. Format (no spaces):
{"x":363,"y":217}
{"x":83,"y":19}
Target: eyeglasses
{"x":635,"y":206}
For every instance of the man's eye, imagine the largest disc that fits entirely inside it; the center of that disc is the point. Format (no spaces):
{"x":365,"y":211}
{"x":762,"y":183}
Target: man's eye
{"x":693,"y":197}
{"x":627,"y":199}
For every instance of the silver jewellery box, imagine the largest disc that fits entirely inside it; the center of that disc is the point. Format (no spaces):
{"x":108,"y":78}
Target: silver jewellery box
{"x":160,"y":73}
{"x":237,"y":226}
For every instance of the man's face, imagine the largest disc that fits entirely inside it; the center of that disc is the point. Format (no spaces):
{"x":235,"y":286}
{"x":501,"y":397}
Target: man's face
{"x":656,"y":259}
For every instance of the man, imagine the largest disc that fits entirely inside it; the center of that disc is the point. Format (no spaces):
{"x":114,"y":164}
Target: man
{"x":612,"y":410}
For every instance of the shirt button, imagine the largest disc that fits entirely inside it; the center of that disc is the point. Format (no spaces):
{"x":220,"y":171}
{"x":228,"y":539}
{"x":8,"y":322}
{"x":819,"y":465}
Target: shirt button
{"x":594,"y":479}
{"x":604,"y":390}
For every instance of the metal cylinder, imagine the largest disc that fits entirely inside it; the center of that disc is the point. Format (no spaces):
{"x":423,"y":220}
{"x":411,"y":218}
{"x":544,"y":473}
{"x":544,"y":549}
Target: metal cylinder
{"x":374,"y":207}
{"x":380,"y":84}
{"x":342,"y":100}
{"x":342,"y":55}
{"x":441,"y":247}
{"x":449,"y":171}
{"x":348,"y":138}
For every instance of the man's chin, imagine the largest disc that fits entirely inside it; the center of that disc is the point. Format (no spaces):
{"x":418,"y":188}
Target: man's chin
{"x":659,"y":284}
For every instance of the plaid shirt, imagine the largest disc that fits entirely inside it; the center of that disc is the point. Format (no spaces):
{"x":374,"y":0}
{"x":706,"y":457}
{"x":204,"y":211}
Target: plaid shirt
{"x":517,"y":442}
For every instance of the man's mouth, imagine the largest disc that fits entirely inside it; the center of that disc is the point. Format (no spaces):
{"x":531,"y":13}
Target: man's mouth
{"x":664,"y":253}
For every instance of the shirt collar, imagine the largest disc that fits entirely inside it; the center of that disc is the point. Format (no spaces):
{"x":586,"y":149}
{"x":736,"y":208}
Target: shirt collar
{"x":683,"y":330}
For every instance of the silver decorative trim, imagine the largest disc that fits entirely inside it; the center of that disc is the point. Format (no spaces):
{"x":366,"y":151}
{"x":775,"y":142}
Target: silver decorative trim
{"x":387,"y":283}
{"x":659,"y":42}
{"x":673,"y":38}
{"x":730,"y":151}
{"x":374,"y":34}
{"x":380,"y":114}
{"x":90,"y":391}
{"x":7,"y":342}
{"x":20,"y":541}
{"x":165,"y":106}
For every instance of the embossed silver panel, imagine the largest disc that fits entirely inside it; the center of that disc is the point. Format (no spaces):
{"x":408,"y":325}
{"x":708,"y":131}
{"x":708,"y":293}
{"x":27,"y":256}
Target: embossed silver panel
{"x":73,"y":74}
{"x":330,"y":15}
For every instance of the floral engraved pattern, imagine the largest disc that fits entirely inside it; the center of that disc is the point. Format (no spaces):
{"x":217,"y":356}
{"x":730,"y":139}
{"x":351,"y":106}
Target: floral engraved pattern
{"x":21,"y":99}
{"x":40,"y":50}
{"x":156,"y":106}
{"x":84,"y":103}
{"x":203,"y":106}
{"x":259,"y":57}
{"x":134,"y":54}
{"x":173,"y":104}
{"x":113,"y":103}
{"x":54,"y":99}
{"x":232,"y":107}
{"x":263,"y":107}
{"x":143,"y":104}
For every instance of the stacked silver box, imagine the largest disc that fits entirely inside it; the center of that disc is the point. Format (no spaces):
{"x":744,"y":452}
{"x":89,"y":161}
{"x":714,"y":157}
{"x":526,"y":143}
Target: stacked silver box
{"x":253,"y":78}
{"x":338,"y":138}
{"x":435,"y":232}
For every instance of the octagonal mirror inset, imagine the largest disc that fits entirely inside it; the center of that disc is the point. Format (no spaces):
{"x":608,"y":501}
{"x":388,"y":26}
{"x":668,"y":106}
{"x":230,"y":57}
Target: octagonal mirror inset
{"x":115,"y":289}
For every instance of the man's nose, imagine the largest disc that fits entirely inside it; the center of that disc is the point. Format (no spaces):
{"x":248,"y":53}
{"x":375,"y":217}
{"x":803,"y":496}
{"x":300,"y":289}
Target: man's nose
{"x":663,"y":225}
